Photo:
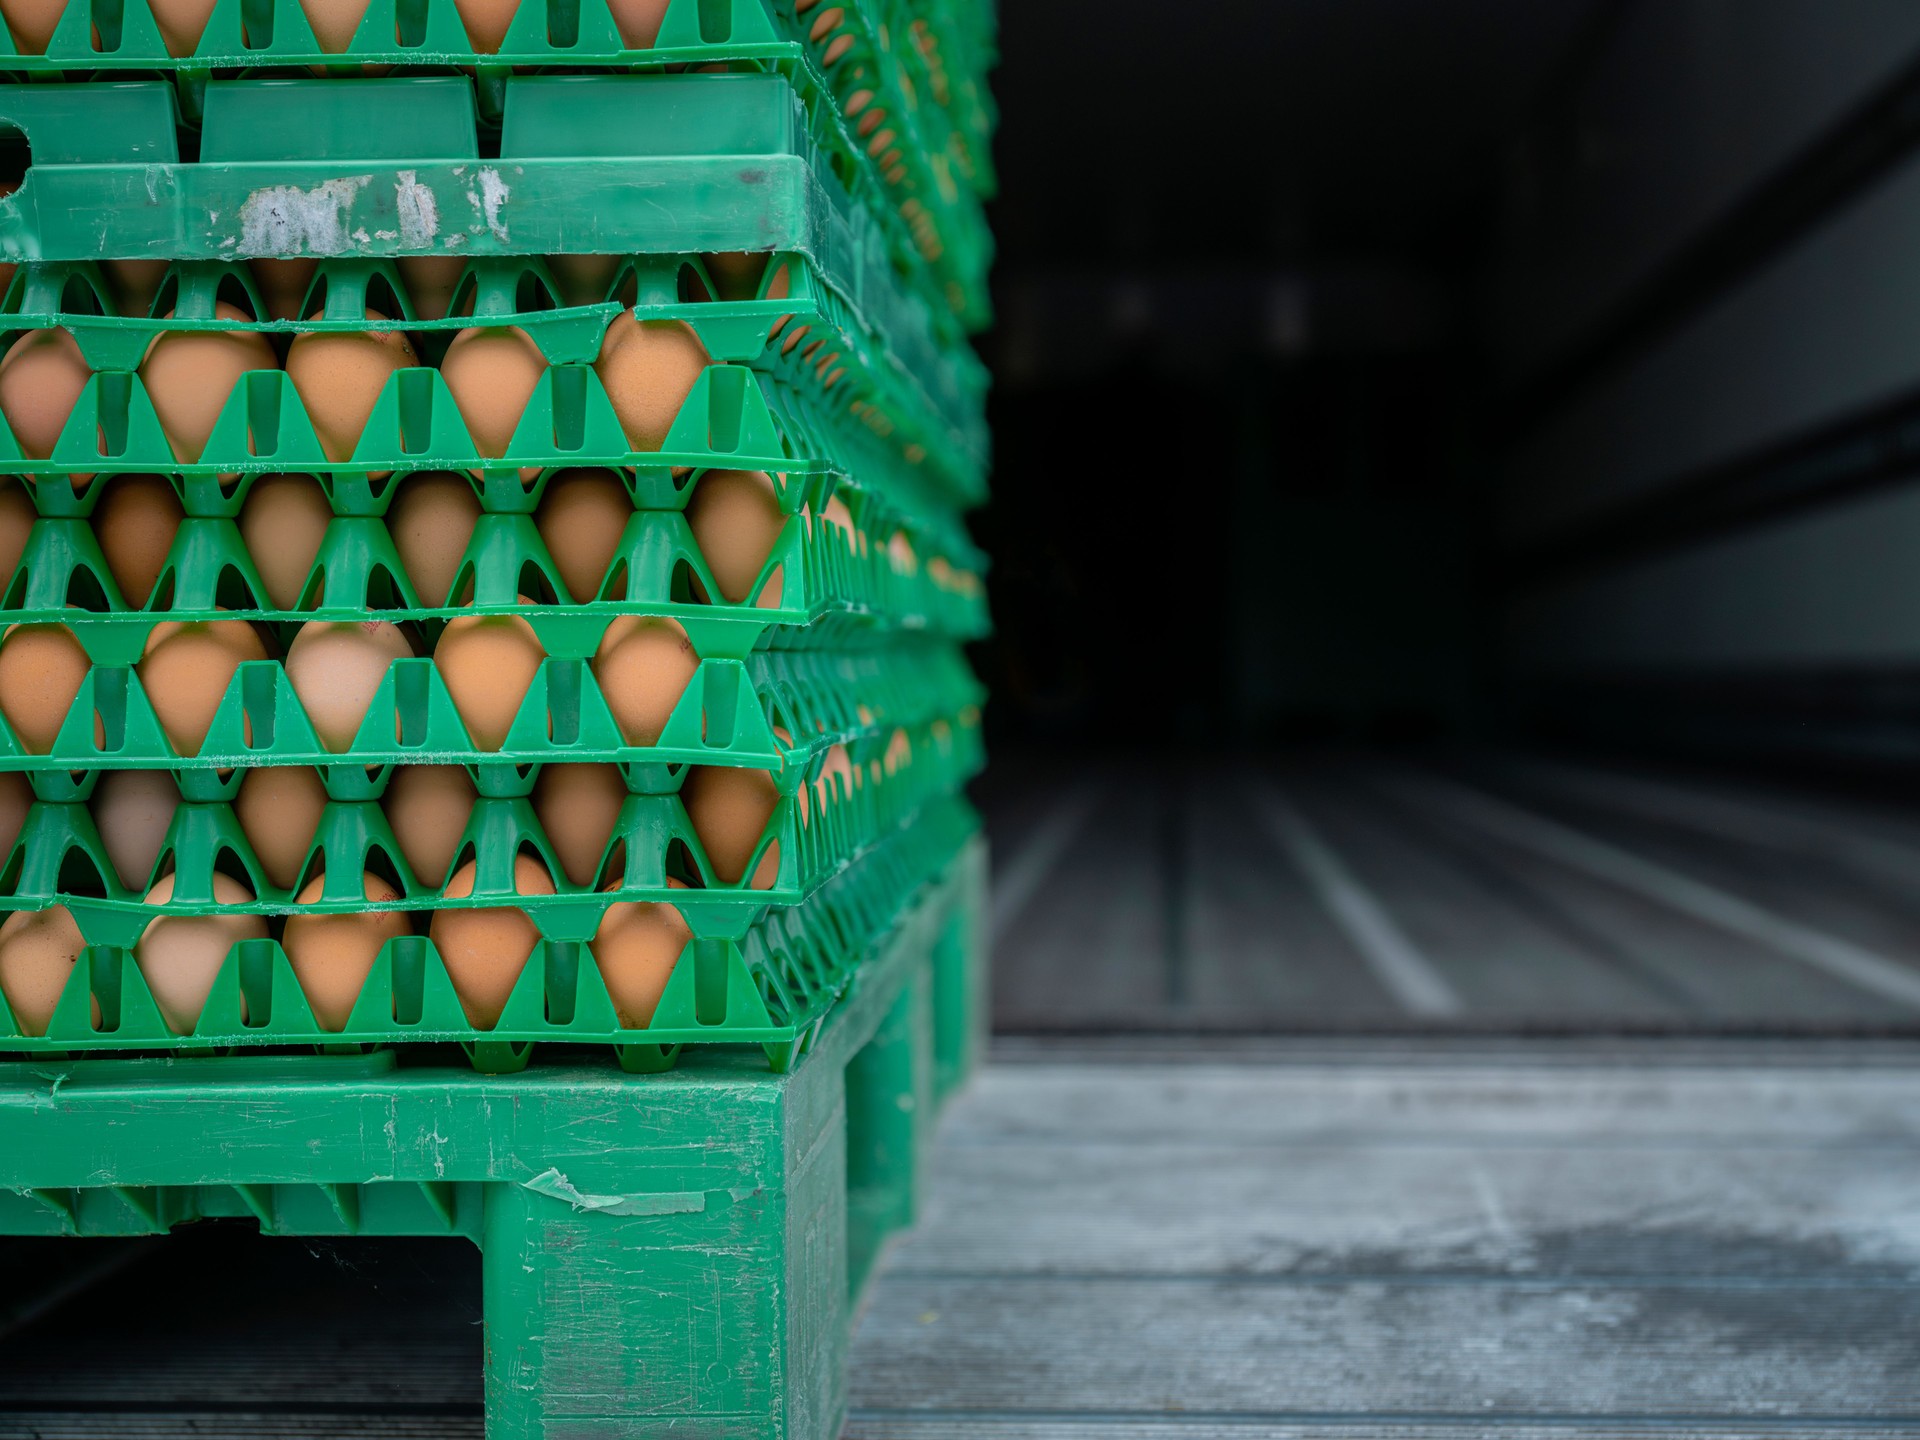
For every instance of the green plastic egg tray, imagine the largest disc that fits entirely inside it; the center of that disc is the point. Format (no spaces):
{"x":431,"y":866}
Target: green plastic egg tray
{"x":820,"y":829}
{"x":657,"y":569}
{"x":771,"y":986}
{"x":932,"y":398}
{"x":776,"y":419}
{"x":110,"y":37}
{"x":727,"y":716}
{"x":913,"y":145}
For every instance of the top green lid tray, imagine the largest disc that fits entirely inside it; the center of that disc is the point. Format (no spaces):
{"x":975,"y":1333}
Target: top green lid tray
{"x":119,"y":36}
{"x":585,"y":164}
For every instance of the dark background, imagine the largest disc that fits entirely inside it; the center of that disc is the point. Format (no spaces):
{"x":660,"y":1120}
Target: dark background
{"x":1286,"y":292}
{"x":1517,"y":400}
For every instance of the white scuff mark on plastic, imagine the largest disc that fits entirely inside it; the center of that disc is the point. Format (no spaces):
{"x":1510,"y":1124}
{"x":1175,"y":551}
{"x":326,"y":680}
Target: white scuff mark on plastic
{"x":386,"y":234}
{"x":287,"y":220}
{"x":493,"y":194}
{"x":419,"y":212}
{"x":555,"y":1186}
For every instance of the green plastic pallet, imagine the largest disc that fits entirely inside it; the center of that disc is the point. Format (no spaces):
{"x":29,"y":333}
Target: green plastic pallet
{"x":609,"y":1210}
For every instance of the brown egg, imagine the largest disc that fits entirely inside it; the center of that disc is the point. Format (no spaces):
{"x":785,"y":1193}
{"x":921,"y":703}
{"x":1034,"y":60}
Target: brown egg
{"x":488,"y":662}
{"x":839,"y":766}
{"x":836,"y":514}
{"x":431,"y":521}
{"x":186,"y":671}
{"x":899,"y":752}
{"x":582,"y":516}
{"x":900,"y":554}
{"x":38,"y":949}
{"x":638,"y":21}
{"x":487,"y":22}
{"x":340,"y":375}
{"x":135,"y":283}
{"x":637,"y":945}
{"x":41,"y":669}
{"x":428,"y":807}
{"x":578,"y":806}
{"x":32,"y":23}
{"x":431,"y":281}
{"x":643,"y":667}
{"x":135,"y":523}
{"x":583,"y":279}
{"x":332,"y":955}
{"x":16,"y":527}
{"x":279,"y":808}
{"x":16,"y":798}
{"x":735,"y":518}
{"x":335,"y":666}
{"x":283,"y":524}
{"x":181,"y":23}
{"x":40,"y":381}
{"x":492,"y":373}
{"x":649,"y":368}
{"x":334,"y":23}
{"x":133,"y":810}
{"x":190,"y":373}
{"x":485,"y":950}
{"x":180,"y":955}
{"x":283,"y":284}
{"x":729,"y":809}
{"x":737,"y":273}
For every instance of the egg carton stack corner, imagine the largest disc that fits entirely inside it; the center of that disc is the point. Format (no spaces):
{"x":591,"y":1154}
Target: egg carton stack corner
{"x":482,"y":547}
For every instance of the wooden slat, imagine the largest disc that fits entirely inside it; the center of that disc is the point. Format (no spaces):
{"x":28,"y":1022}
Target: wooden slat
{"x":1089,"y":949}
{"x":1260,"y":949}
{"x":899,"y":1425}
{"x":1458,"y":1100}
{"x":1331,"y":1207}
{"x":1372,"y":1348}
{"x":1513,"y":958}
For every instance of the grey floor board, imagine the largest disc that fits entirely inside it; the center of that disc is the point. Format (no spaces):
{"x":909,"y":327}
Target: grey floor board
{"x":892,"y":1425}
{"x":1384,"y":1241}
{"x":1728,"y":978}
{"x":1500,"y":956}
{"x":1092,"y":944}
{"x":1260,"y":949}
{"x":1459,"y":1101}
{"x":1547,"y":1210}
{"x":1379,"y":1347}
{"x":1870,"y":909}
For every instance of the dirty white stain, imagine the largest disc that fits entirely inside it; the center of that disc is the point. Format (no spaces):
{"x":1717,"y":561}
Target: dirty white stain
{"x":419,"y":212}
{"x":493,"y":194}
{"x":287,"y":220}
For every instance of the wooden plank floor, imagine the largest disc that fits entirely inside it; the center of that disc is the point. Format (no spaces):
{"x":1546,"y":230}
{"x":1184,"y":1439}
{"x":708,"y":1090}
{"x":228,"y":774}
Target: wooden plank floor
{"x":1492,"y":894}
{"x":1390,"y":1242}
{"x":1358,"y":1239}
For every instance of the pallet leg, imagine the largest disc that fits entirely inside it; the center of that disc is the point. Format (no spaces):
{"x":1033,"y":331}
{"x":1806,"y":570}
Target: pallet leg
{"x":960,"y":978}
{"x":702,"y":1315}
{"x":889,"y":1089}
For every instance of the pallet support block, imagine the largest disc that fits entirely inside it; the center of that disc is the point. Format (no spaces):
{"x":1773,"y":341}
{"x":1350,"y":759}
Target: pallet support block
{"x":678,"y":1254}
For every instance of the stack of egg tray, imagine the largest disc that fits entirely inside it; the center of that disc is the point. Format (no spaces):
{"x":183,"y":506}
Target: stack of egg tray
{"x":880,"y":407}
{"x":742,"y":1156}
